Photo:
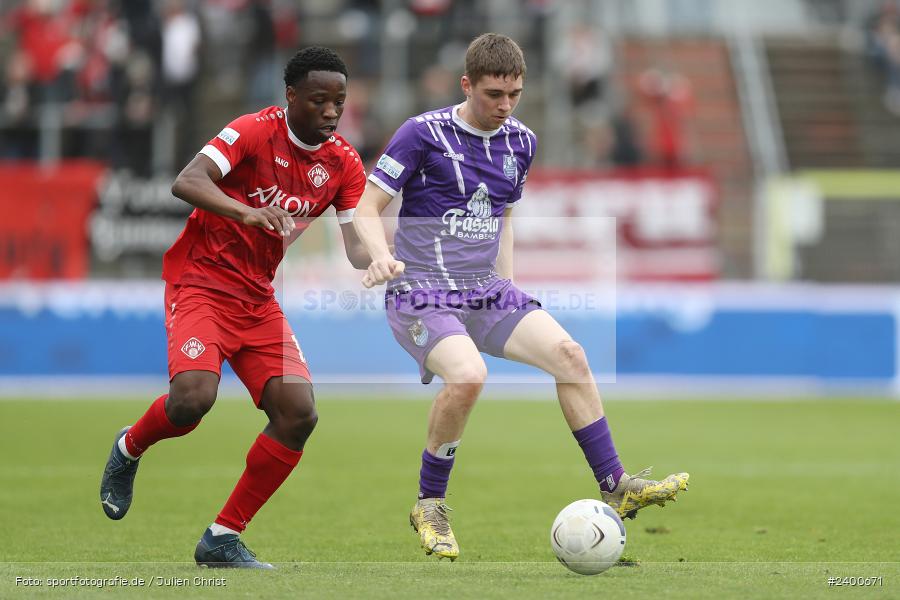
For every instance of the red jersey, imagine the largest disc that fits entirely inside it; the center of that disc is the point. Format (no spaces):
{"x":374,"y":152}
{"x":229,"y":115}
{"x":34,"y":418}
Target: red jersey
{"x":263,"y":164}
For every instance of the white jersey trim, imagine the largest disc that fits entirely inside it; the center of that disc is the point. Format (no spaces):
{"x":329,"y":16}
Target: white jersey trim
{"x":345,"y":216}
{"x":382,"y":185}
{"x":466,"y":127}
{"x":439,"y":257}
{"x":460,"y":182}
{"x":217,"y":157}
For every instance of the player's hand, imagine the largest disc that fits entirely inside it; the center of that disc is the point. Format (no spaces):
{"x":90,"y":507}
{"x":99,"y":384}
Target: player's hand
{"x":273,"y":218}
{"x":383,"y":270}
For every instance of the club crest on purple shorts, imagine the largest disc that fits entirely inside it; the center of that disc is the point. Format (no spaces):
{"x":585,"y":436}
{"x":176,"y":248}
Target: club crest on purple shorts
{"x":419,"y":333}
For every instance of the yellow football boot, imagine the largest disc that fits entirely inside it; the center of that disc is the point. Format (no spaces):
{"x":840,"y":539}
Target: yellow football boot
{"x":634,"y":493}
{"x":430,"y":519}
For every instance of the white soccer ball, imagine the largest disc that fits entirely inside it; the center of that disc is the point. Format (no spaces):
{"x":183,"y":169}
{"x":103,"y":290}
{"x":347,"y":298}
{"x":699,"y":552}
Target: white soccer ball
{"x":588,"y":537}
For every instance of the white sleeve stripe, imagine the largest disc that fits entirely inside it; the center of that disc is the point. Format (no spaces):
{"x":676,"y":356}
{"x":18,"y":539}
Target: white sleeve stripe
{"x":382,"y":185}
{"x":431,"y":129}
{"x":217,"y":157}
{"x":345,"y":216}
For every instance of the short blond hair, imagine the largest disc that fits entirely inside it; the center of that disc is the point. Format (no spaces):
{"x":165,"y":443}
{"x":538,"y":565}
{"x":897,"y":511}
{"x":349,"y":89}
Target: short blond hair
{"x":494,"y":54}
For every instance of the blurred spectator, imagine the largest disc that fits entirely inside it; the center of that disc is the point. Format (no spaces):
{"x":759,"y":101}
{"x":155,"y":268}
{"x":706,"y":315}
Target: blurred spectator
{"x":180,"y":69}
{"x":439,"y":86}
{"x":625,"y":151}
{"x":134,"y":126}
{"x":261,"y":67}
{"x":143,"y":27}
{"x":100,"y":49}
{"x":430,"y":8}
{"x":883,"y":40}
{"x":19,"y":139}
{"x":46,"y":46}
{"x":587,"y":63}
{"x":359,"y":123}
{"x":585,"y":58}
{"x":609,"y":142}
{"x":227,"y":33}
{"x":668,"y":97}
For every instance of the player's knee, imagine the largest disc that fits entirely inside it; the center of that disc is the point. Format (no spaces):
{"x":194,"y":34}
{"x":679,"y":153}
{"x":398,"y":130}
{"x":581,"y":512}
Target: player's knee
{"x":297,"y":417}
{"x":571,"y":361}
{"x":302,"y":423}
{"x":466,"y":383}
{"x":299,"y":427}
{"x":187,"y":403}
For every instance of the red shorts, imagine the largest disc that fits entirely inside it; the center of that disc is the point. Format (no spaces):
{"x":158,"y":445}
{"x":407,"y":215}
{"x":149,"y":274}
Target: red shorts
{"x":205,"y":327}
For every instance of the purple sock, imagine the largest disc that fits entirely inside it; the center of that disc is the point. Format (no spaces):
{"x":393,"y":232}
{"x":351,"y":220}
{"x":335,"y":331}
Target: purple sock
{"x":434,"y":475}
{"x":597,"y":444}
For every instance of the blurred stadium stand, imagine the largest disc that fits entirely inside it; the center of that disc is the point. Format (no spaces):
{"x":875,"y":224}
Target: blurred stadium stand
{"x":754,"y":141}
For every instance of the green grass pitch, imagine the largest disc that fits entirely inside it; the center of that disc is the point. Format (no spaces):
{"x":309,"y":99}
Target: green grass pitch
{"x":783,"y":496}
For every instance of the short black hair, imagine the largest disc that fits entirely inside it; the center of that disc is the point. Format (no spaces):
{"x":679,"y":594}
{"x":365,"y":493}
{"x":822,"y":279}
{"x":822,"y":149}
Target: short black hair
{"x":314,"y":58}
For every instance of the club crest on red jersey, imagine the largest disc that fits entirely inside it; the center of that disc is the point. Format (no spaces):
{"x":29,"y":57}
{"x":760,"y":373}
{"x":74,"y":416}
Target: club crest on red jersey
{"x":318,"y":175}
{"x":193,"y":348}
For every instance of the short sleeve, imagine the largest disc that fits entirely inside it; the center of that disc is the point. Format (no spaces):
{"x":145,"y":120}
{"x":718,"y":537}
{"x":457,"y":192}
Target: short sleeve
{"x":400,"y":160}
{"x":236,"y":141}
{"x":353,"y":184}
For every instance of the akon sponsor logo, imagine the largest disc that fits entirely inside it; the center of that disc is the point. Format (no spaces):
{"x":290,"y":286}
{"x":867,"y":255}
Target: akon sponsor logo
{"x":272,"y":196}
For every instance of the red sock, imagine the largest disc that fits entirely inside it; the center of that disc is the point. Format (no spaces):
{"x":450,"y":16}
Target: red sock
{"x":268,"y":465}
{"x":152,"y":427}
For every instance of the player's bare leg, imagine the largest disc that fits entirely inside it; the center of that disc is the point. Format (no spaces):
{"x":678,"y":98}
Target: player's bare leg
{"x":290,"y":405}
{"x":191,"y":395}
{"x":539,"y":340}
{"x":456,"y":360}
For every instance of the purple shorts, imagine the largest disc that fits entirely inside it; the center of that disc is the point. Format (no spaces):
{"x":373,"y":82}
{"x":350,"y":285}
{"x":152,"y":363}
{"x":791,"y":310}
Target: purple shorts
{"x":421,"y":318}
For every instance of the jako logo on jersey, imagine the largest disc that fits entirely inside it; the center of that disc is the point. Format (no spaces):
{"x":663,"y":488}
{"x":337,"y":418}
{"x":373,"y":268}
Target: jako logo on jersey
{"x":193,"y":348}
{"x":477,"y":223}
{"x":318,"y":175}
{"x":282,"y":162}
{"x":229,"y":136}
{"x":455,"y":156}
{"x":272,"y":196}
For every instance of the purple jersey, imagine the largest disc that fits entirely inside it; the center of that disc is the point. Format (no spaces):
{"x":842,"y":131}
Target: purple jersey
{"x":456,"y":182}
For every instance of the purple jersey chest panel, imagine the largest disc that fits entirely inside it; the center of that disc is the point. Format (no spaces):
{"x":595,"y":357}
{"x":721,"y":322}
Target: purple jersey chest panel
{"x":456,"y":184}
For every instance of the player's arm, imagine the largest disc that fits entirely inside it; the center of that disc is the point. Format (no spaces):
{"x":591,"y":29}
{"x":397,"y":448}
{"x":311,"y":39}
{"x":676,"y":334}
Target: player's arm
{"x":196,"y":185}
{"x":505,"y":255}
{"x":353,"y":246}
{"x":370,"y":229}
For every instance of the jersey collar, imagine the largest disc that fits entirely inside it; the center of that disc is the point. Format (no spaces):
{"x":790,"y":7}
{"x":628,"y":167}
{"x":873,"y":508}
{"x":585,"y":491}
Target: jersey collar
{"x":466,"y":127}
{"x":294,"y":138}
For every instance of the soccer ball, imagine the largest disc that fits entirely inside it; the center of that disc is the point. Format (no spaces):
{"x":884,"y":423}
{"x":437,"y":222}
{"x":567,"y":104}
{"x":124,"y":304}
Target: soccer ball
{"x":588,"y":537}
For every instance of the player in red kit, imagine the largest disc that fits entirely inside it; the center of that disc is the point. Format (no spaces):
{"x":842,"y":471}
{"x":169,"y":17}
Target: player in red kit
{"x":252,"y":186}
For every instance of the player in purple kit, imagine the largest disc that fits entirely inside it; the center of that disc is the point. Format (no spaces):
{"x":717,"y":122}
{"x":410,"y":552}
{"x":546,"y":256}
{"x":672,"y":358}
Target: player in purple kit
{"x":450,"y":296}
